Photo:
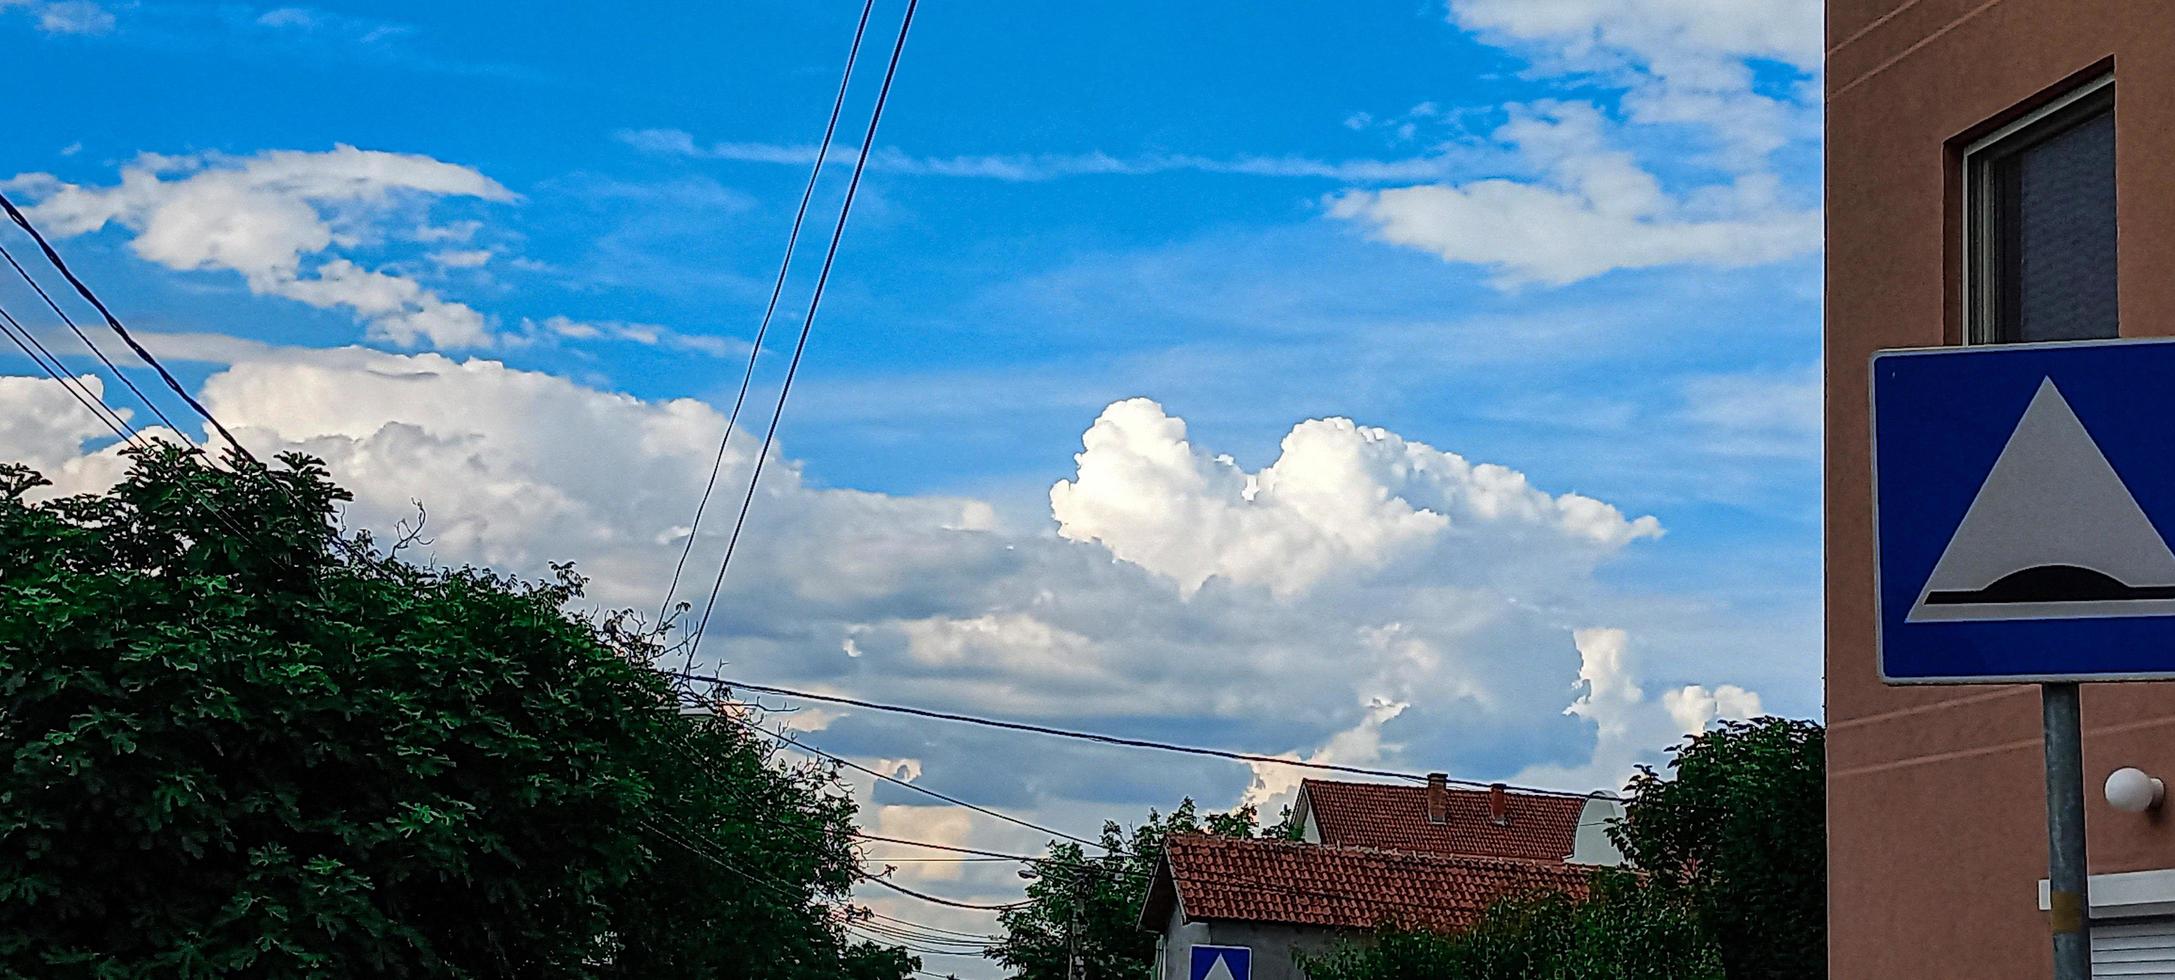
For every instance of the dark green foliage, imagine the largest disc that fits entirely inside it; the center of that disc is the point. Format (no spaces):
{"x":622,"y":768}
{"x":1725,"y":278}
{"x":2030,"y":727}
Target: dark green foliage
{"x":1106,"y":890}
{"x":232,"y":748}
{"x":1739,"y":827}
{"x":1732,"y":851}
{"x":1623,"y":931}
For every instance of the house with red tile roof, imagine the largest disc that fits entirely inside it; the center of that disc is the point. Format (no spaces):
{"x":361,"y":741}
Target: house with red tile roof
{"x":1371,"y":855}
{"x":1438,"y":819}
{"x":1280,"y":898}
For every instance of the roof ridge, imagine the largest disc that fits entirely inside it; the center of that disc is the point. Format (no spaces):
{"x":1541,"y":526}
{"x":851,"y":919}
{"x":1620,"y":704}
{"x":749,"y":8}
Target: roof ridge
{"x":1462,"y":786}
{"x":1441,"y":857}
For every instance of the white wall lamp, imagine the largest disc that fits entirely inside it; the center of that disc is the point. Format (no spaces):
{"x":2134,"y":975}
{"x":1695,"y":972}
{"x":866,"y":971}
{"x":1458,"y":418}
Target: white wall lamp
{"x":2129,"y":788}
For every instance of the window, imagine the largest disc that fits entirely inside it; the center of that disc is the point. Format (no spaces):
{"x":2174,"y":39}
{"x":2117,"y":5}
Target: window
{"x":2039,"y":202}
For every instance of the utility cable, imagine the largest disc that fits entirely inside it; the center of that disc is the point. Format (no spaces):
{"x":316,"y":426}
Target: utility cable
{"x":15,"y":214}
{"x":923,"y":790}
{"x":808,"y":321}
{"x":1123,"y":872}
{"x":1119,"y":740}
{"x":690,"y":843}
{"x":86,"y":338}
{"x":57,"y":371}
{"x":1225,"y":880}
{"x":777,"y":288}
{"x":52,"y":256}
{"x":903,"y":890}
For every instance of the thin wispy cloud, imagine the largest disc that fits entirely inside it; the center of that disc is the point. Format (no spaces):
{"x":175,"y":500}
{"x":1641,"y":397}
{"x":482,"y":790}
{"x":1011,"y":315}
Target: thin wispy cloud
{"x":1038,"y":167}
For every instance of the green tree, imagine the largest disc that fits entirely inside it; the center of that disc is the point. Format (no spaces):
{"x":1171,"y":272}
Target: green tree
{"x":237,"y":746}
{"x":1623,"y":931}
{"x":1094,"y":899}
{"x":1738,"y":828}
{"x":1730,"y":847}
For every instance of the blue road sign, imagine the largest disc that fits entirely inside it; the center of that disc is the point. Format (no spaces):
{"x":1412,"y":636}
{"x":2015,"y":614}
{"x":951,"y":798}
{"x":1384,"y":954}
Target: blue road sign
{"x":2024,"y":497}
{"x":1222,"y":963}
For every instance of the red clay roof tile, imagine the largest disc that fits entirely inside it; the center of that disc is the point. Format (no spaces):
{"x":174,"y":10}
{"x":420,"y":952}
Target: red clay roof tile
{"x":1394,"y":817}
{"x":1342,"y":887}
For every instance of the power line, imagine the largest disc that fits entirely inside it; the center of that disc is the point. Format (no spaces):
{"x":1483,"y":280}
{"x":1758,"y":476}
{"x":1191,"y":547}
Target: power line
{"x":887,"y":859}
{"x":924,"y":790}
{"x":1104,"y":867}
{"x":903,"y":890}
{"x":905,"y":929}
{"x":934,"y":930}
{"x":86,"y":338}
{"x":52,"y":256}
{"x":1137,"y":743}
{"x":777,"y":288}
{"x":808,"y":321}
{"x":53,"y":367}
{"x":903,"y":935}
{"x":804,"y":833}
{"x":15,"y":214}
{"x":57,"y":371}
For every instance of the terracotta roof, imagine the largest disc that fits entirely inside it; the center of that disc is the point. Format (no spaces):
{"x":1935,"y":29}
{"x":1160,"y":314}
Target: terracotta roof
{"x":1340,"y":887}
{"x":1394,"y":818}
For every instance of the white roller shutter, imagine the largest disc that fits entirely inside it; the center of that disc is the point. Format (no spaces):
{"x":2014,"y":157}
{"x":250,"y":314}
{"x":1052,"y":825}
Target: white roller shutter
{"x":2139,"y":948}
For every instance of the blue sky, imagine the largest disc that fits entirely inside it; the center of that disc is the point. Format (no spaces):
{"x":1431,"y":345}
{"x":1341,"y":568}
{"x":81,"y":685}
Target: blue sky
{"x":1575,"y":240}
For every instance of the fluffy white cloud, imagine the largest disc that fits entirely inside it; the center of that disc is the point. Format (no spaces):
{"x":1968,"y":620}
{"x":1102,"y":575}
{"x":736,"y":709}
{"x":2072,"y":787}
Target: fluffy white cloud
{"x":1275,"y":787}
{"x":1675,"y":36}
{"x":281,"y":218}
{"x":1594,"y":210}
{"x":1364,"y":600}
{"x":1682,"y":61}
{"x":45,"y":428}
{"x":1342,"y":500}
{"x":1628,"y":726}
{"x":1694,"y":707}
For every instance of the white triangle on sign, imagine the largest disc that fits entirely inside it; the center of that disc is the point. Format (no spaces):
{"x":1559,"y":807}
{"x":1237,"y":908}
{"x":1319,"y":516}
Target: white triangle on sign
{"x":1221,"y":971}
{"x":2053,"y":534}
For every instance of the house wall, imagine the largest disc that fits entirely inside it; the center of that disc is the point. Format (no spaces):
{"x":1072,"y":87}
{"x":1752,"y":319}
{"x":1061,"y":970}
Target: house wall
{"x":1273,"y":945}
{"x":1592,"y":845}
{"x":1936,"y":806}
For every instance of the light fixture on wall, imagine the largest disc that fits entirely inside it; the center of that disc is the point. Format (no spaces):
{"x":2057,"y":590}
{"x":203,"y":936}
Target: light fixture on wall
{"x":2129,"y":788}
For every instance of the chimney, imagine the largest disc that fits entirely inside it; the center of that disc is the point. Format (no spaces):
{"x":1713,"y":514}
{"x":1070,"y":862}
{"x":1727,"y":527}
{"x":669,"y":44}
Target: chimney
{"x":1498,"y":805}
{"x":1438,"y":798}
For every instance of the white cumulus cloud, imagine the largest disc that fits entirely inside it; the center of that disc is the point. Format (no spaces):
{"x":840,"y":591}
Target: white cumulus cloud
{"x":283,"y":219}
{"x":1343,"y":500}
{"x":1628,"y":726}
{"x":1365,"y":599}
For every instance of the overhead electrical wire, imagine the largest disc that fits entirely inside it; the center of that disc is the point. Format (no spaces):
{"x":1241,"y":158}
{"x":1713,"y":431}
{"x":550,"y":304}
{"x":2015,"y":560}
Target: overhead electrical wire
{"x":923,"y":790}
{"x":770,"y":309}
{"x":1119,"y":740}
{"x":16,"y":215}
{"x":53,"y":367}
{"x":903,"y":890}
{"x":87,"y":342}
{"x":1090,"y":866}
{"x":808,"y":321}
{"x":981,"y":937}
{"x":82,"y":289}
{"x":40,"y":355}
{"x":691,"y":840}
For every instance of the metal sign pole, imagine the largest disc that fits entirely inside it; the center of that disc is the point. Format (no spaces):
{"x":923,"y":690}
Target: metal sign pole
{"x":2068,"y":891}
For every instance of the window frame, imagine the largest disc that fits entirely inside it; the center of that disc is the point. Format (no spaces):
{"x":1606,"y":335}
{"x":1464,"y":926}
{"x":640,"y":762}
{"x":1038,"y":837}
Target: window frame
{"x":1981,"y":301}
